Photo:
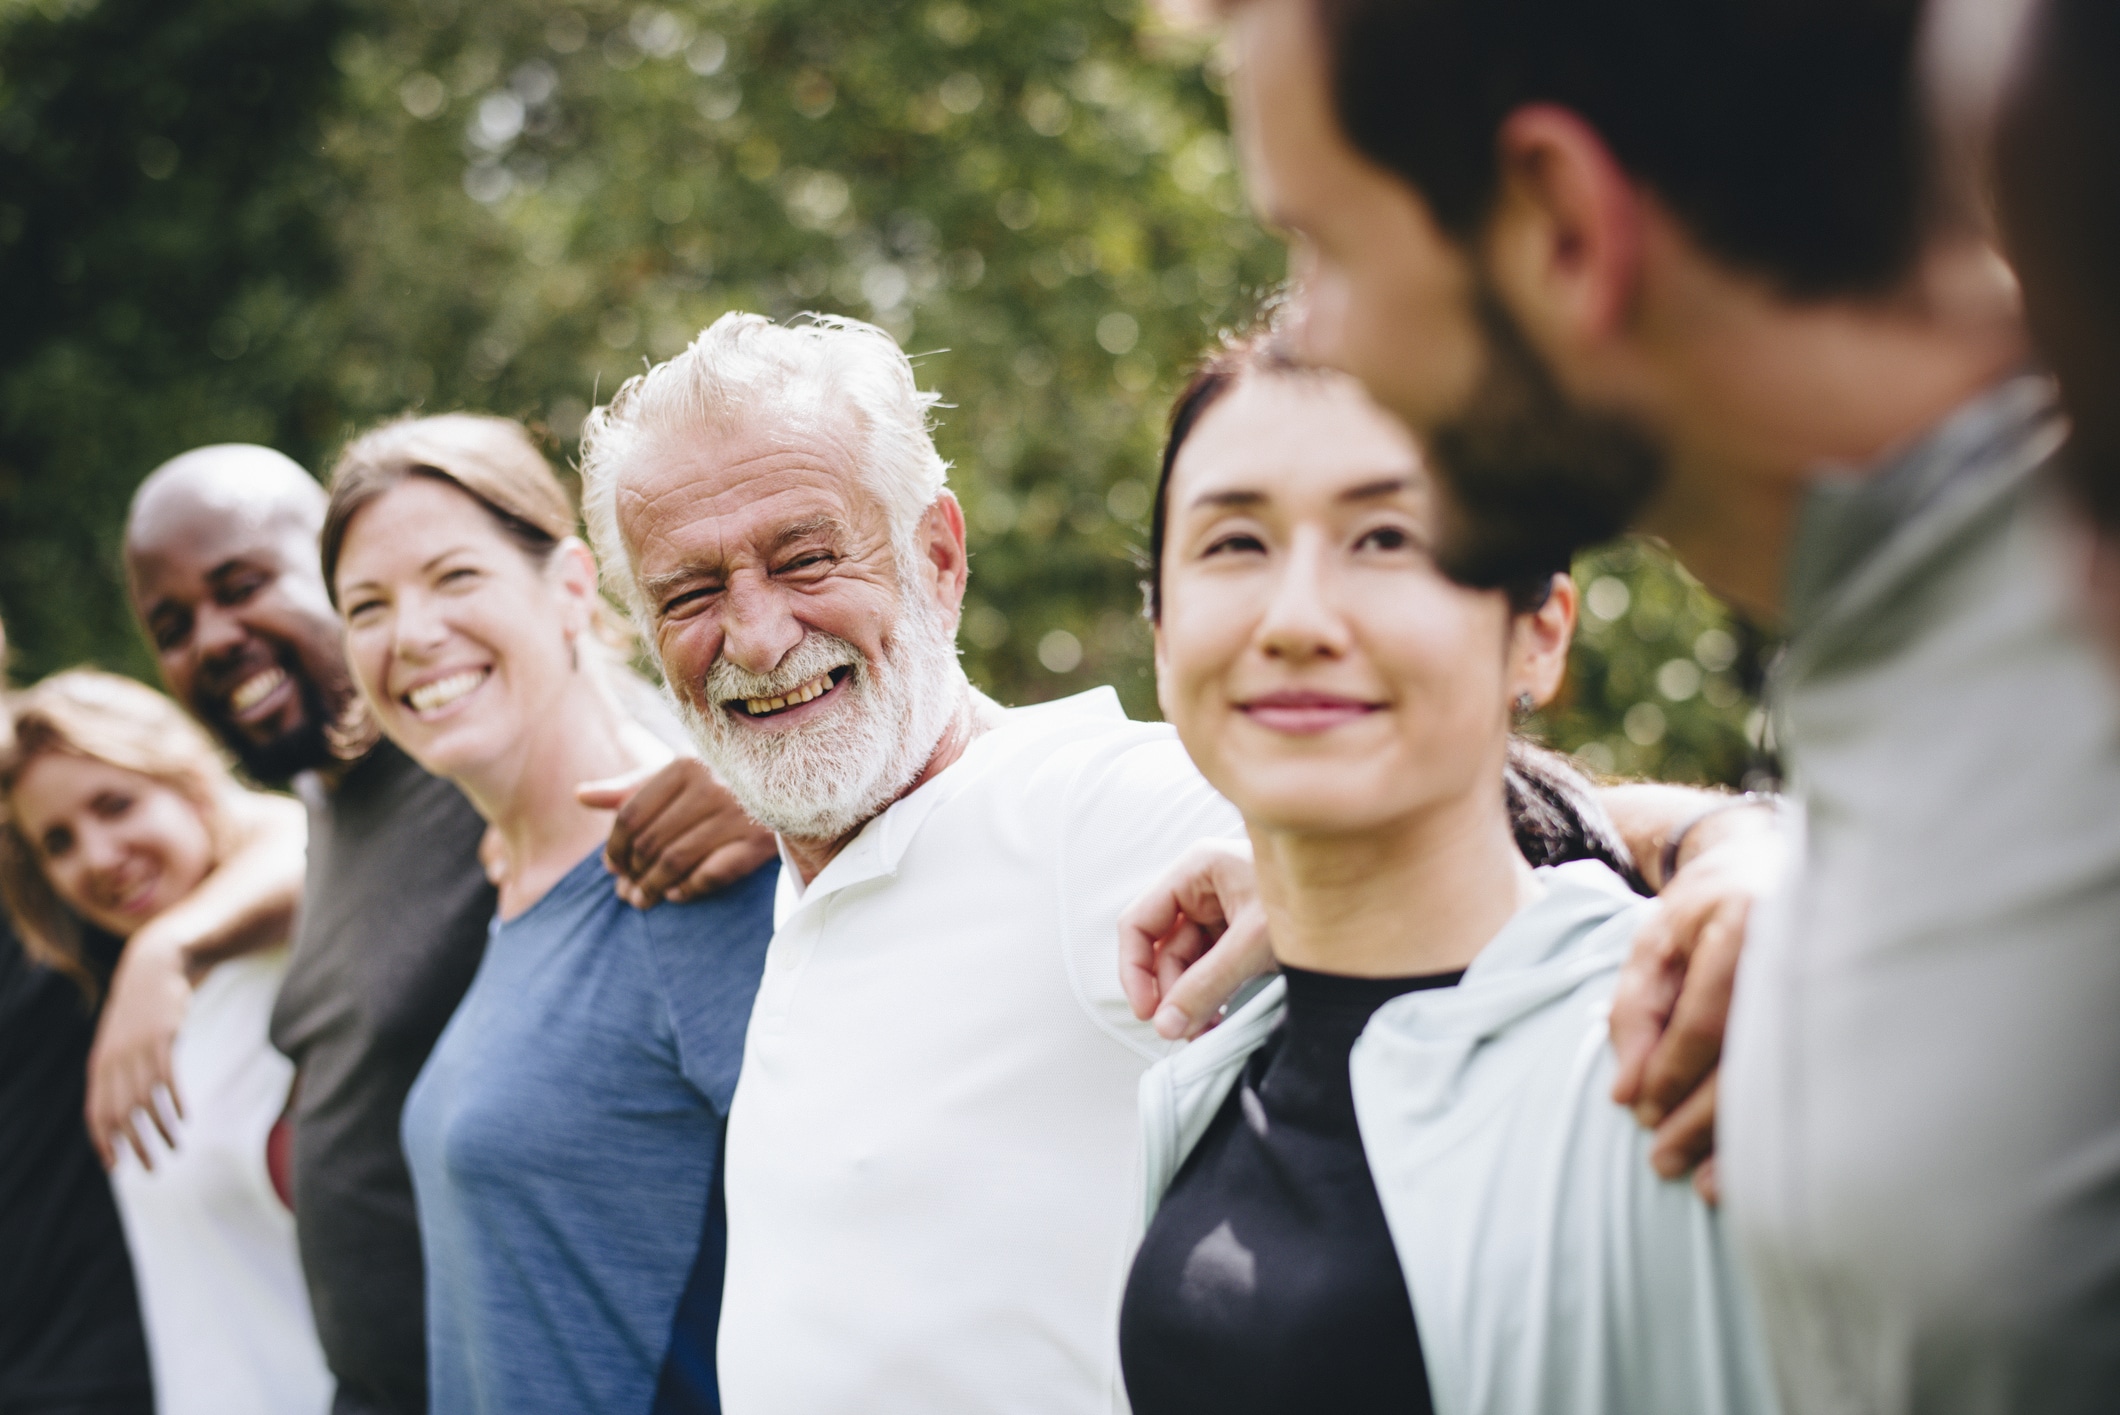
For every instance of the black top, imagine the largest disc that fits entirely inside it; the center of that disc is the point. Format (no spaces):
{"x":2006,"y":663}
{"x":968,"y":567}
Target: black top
{"x":1267,"y":1281}
{"x":70,"y":1336}
{"x":394,"y":916}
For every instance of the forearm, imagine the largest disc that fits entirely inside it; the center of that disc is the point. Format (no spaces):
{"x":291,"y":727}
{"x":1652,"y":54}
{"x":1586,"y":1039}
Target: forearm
{"x":1647,"y":814}
{"x":250,"y":900}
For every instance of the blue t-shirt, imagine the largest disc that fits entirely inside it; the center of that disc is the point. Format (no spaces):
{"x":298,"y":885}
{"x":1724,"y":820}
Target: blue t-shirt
{"x":564,"y":1139}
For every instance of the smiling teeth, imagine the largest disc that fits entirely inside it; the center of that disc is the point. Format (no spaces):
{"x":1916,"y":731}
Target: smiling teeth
{"x":254,"y":689}
{"x":430,"y":697}
{"x":758,"y":707}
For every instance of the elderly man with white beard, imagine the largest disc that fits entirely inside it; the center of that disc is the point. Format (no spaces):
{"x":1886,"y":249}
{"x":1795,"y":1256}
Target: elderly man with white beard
{"x":930,"y":1182}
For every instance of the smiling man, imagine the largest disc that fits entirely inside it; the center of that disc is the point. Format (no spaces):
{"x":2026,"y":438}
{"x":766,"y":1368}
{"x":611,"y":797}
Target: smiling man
{"x":930,"y":1177}
{"x":1685,"y":267}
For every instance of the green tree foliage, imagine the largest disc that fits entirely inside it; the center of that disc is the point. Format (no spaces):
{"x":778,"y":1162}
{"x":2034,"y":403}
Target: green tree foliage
{"x":510,"y":206}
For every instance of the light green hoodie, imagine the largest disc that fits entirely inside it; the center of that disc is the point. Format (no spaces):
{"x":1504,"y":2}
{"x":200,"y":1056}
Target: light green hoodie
{"x":1551,"y":1271}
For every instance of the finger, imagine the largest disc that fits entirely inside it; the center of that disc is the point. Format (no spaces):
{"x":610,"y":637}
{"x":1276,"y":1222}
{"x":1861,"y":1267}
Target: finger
{"x":1648,"y":989}
{"x":1707,"y":1180}
{"x":1242,"y":953}
{"x":611,"y":792}
{"x":639,"y":812}
{"x":717,"y":850}
{"x":139,"y":1148}
{"x":732,"y":862}
{"x":667,"y":863}
{"x":1687,"y":1135}
{"x":1692,"y":1041}
{"x":1188,"y":944}
{"x":163,"y":1125}
{"x":1141,"y":966}
{"x":166,"y":1074}
{"x":1143,"y":927}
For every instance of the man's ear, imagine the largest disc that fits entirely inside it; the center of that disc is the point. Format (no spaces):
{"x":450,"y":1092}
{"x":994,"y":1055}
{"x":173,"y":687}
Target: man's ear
{"x":943,"y":554}
{"x":1564,"y":243}
{"x":1538,"y":643}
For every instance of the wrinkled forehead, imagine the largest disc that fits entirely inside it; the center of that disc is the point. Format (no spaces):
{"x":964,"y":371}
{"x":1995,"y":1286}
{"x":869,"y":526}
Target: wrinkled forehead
{"x":746,"y":481}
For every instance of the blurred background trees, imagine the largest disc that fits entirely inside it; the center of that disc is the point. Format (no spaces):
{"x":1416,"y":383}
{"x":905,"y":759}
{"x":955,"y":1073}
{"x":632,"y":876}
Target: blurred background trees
{"x":280,"y":220}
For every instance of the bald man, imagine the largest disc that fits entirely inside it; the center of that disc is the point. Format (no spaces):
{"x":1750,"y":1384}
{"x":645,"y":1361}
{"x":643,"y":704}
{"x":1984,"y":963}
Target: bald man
{"x":221,"y":559}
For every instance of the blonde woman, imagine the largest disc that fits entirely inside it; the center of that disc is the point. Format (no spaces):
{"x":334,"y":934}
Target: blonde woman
{"x":114,"y":806}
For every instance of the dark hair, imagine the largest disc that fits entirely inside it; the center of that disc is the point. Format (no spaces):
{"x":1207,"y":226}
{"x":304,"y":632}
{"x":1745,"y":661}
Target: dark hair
{"x":2057,"y":150}
{"x":1786,"y":134}
{"x":1553,"y":808}
{"x":1259,"y":353}
{"x":1554,"y":811}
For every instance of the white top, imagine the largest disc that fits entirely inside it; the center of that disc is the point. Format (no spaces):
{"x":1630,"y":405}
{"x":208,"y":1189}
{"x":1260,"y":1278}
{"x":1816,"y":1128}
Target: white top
{"x":227,"y":1315}
{"x":1550,"y":1269}
{"x":932,"y":1162}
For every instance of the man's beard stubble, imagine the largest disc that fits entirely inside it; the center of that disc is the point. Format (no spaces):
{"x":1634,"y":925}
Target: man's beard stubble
{"x":1530,"y":478}
{"x":825,"y":778}
{"x":304,"y":747}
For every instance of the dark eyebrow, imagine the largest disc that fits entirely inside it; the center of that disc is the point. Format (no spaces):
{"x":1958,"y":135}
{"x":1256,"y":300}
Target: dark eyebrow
{"x":1371,"y":490}
{"x":1234,"y":497}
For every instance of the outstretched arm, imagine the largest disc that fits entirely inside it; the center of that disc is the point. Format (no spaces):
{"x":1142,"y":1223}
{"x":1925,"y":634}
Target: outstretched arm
{"x":679,"y":834}
{"x":1192,"y":940}
{"x":246,"y":904}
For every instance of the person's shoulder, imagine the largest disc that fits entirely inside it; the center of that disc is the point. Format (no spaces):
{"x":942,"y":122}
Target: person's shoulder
{"x":1088,"y":742}
{"x":741,"y":909}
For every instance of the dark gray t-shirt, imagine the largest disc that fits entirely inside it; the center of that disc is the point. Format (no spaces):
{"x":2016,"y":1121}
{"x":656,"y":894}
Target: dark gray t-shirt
{"x":393,"y":924}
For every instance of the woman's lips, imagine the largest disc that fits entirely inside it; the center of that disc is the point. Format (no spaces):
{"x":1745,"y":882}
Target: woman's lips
{"x":1305,"y":714}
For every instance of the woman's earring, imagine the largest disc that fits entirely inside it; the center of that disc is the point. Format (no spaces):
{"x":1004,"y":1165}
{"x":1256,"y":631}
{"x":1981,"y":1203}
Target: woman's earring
{"x":574,"y":653}
{"x":1525,"y":704}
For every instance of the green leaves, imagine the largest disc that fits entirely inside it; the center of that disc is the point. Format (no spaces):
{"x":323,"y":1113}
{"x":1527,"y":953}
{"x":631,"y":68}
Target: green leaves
{"x":512,"y":205}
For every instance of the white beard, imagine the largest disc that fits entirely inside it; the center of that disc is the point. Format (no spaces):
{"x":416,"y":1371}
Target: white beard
{"x":832,"y":774}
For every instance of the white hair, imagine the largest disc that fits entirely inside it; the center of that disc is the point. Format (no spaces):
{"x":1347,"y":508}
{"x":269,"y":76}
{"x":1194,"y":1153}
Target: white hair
{"x":744,"y":366}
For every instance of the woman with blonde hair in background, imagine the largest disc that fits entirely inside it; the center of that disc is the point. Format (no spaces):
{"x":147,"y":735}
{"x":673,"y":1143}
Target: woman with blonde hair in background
{"x":114,"y":806}
{"x":565,"y":1135}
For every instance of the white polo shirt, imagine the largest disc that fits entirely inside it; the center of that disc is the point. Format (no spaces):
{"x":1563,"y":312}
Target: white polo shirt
{"x":932,"y":1170}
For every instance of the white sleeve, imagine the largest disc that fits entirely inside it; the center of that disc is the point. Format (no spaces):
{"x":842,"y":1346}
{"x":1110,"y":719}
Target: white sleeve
{"x":1127,"y":810}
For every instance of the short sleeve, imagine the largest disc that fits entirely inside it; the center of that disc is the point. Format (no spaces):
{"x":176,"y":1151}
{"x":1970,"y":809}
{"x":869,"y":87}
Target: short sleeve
{"x":1127,"y":813}
{"x":708,"y":955}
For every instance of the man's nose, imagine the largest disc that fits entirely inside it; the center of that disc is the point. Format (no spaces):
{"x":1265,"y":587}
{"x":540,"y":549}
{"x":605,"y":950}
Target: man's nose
{"x":757,"y":627}
{"x":219,"y":634}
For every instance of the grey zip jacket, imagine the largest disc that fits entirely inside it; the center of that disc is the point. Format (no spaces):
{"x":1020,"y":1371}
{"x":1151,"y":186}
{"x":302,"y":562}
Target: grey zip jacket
{"x":1551,"y":1271}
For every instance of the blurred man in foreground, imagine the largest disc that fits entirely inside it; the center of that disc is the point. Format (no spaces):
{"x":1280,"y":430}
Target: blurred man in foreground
{"x":1681,"y":267}
{"x":2057,"y":181}
{"x":221,"y":554}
